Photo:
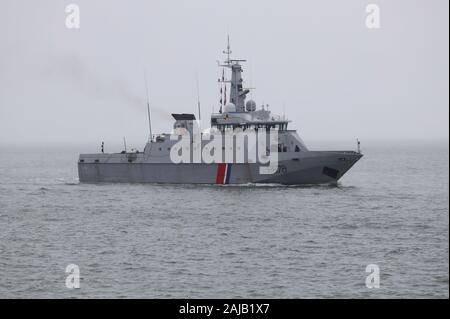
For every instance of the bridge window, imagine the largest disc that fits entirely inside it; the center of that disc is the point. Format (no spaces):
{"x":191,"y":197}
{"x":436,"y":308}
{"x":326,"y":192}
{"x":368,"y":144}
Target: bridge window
{"x":256,"y":127}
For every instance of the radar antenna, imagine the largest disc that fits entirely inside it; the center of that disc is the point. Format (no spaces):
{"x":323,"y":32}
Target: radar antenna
{"x":228,"y":50}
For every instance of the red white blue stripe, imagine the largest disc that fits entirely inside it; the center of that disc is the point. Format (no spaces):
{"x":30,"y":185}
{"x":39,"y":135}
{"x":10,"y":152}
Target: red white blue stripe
{"x":223,"y":173}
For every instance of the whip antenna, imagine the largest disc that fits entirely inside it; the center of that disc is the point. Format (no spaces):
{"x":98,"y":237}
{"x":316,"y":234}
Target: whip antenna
{"x":198,"y":102}
{"x":148,"y":108}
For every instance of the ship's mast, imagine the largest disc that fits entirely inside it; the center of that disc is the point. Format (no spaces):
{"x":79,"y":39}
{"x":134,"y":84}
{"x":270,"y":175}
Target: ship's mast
{"x":237,"y":92}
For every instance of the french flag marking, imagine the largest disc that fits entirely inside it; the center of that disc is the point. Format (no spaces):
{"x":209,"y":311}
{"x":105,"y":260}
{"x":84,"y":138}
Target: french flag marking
{"x":223,"y":173}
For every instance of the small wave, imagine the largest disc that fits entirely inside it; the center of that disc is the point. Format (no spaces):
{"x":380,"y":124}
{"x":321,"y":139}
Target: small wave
{"x":395,"y":251}
{"x":69,"y":182}
{"x":251,"y":185}
{"x":441,"y":279}
{"x":278,"y":185}
{"x":347,"y":226}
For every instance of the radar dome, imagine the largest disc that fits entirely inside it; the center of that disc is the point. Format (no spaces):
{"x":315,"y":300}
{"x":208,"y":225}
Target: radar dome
{"x":230,"y":107}
{"x":250,"y":106}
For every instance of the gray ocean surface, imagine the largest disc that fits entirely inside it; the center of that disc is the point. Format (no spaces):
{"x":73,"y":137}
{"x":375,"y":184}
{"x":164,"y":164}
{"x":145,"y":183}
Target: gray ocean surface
{"x":185,"y":241}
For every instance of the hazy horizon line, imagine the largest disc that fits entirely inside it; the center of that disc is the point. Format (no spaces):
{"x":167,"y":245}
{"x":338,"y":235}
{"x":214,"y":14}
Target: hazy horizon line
{"x":309,"y":142}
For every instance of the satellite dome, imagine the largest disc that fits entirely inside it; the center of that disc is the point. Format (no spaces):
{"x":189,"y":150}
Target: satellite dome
{"x":230,"y":107}
{"x":250,"y":106}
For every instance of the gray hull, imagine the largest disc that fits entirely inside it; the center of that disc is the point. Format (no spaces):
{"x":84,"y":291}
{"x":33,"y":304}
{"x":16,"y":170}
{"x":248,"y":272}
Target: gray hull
{"x":306,"y":168}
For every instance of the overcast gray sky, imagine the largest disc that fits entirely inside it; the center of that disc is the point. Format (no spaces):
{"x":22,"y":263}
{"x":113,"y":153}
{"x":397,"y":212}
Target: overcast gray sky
{"x":315,"y":60}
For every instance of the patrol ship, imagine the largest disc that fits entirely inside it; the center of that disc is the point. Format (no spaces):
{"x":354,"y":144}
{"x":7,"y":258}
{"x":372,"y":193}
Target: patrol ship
{"x":295,"y":164}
